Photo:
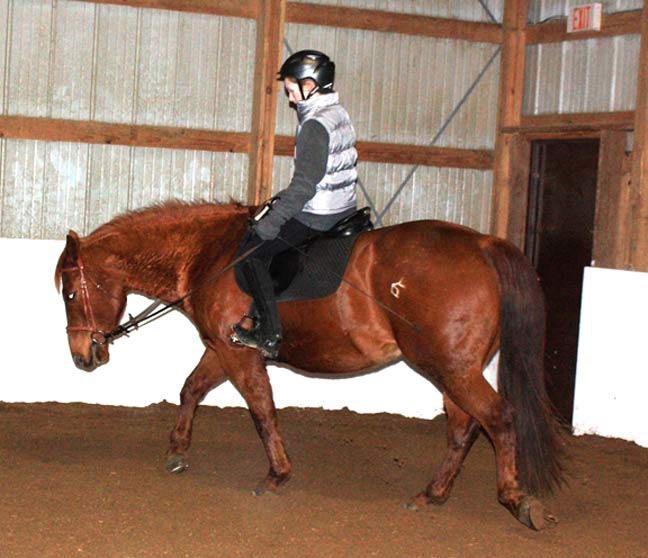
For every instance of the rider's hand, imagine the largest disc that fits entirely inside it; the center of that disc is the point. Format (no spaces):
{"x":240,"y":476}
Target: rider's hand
{"x":265,"y":229}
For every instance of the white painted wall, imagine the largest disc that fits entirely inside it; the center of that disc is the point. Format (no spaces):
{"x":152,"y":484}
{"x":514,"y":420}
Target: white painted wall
{"x":612,"y":370}
{"x":152,"y":364}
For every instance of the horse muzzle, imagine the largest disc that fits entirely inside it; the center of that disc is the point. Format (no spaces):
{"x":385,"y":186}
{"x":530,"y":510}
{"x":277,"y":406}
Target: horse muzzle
{"x":97,"y":355}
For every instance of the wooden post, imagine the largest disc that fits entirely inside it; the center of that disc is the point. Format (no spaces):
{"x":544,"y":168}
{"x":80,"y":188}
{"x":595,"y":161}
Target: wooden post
{"x":510,"y":180}
{"x":611,"y":224}
{"x":638,"y":242}
{"x":270,"y":23}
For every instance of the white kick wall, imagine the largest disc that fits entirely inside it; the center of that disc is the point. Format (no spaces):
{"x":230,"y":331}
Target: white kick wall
{"x":152,"y":364}
{"x":612,"y":369}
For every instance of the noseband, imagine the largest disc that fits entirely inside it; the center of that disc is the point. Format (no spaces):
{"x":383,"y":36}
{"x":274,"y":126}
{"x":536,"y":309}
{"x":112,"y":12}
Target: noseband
{"x":98,"y":336}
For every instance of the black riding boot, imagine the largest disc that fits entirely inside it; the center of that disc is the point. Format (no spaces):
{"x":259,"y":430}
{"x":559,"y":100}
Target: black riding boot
{"x":266,"y":334}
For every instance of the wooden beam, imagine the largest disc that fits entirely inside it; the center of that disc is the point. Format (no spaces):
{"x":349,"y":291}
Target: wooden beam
{"x":622,"y":23}
{"x":80,"y":131}
{"x":573,"y":122}
{"x":403,"y":154}
{"x":425,"y":155}
{"x":509,"y":148}
{"x":270,"y":24}
{"x":638,"y":245}
{"x":335,"y":16}
{"x":235,"y":8}
{"x":392,"y":22}
{"x":611,"y":224}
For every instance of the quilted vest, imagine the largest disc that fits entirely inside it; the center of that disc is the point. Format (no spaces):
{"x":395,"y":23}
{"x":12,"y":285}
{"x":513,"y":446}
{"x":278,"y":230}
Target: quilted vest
{"x":336,"y":192}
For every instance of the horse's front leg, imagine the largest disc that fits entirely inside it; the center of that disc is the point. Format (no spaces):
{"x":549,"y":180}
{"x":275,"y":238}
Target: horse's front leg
{"x":207,"y":375}
{"x":246,"y":369}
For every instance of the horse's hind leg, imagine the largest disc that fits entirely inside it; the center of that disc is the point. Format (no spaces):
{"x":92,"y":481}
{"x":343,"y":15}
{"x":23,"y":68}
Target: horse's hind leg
{"x":475,"y":396}
{"x":207,"y":375}
{"x":462,"y":431}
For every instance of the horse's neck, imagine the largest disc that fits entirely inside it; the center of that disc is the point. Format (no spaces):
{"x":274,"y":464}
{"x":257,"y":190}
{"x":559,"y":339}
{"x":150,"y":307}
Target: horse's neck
{"x":147,"y":270}
{"x":161,"y":266}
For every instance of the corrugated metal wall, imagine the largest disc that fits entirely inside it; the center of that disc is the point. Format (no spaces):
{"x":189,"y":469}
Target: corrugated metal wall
{"x":594,"y":75}
{"x":140,"y":66}
{"x":85,"y":61}
{"x":457,"y":195}
{"x":78,"y":60}
{"x":81,"y":60}
{"x":51,"y":187}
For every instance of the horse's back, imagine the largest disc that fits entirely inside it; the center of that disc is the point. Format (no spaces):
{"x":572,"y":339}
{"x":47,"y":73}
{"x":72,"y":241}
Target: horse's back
{"x":437,"y":250}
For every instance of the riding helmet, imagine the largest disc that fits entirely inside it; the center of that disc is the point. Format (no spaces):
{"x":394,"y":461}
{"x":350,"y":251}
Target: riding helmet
{"x":310,"y":64}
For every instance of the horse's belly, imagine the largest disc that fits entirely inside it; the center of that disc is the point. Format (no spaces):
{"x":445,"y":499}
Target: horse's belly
{"x":338,"y":354}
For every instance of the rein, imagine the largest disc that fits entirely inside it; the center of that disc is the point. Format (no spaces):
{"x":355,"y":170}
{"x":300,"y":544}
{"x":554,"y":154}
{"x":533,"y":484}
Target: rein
{"x":148,"y":315}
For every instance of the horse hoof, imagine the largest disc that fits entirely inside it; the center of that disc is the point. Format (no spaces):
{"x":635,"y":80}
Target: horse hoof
{"x":263,"y":489}
{"x":412,"y":506}
{"x":532,"y":513}
{"x":260,"y":490}
{"x":417,"y":503}
{"x":177,"y":464}
{"x":272,"y":484}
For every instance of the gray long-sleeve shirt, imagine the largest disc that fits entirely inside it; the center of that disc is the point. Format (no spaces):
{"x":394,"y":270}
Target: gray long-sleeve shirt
{"x":311,"y":156}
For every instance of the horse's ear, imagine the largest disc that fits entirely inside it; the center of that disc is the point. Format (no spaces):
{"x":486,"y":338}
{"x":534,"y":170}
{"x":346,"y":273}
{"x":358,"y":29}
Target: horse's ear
{"x":72,"y":245}
{"x":71,"y":252}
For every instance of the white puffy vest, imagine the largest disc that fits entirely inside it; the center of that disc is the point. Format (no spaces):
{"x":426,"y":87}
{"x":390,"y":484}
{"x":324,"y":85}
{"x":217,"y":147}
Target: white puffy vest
{"x":336,"y":192}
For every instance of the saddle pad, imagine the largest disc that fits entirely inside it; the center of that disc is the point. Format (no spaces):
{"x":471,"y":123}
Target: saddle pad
{"x":320,"y":266}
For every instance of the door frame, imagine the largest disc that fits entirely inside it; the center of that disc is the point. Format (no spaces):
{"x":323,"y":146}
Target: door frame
{"x":613,"y":204}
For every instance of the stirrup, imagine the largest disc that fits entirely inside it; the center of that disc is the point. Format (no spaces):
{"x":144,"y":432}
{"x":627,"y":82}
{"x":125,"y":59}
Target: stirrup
{"x":253,"y":338}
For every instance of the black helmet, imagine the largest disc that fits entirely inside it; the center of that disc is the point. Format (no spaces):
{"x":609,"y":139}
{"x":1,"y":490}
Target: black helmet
{"x":310,"y":64}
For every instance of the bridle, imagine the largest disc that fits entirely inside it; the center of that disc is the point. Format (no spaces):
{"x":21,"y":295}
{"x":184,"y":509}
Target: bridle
{"x":98,"y":336}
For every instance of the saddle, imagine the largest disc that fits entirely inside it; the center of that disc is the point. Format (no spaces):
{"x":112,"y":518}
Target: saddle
{"x":315,"y":269}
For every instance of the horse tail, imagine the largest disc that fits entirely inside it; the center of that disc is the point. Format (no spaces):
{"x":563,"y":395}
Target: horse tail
{"x":521,"y":375}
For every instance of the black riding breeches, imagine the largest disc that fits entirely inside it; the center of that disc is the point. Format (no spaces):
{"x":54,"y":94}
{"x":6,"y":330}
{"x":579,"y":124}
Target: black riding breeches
{"x":293,"y":233}
{"x":256,"y":269}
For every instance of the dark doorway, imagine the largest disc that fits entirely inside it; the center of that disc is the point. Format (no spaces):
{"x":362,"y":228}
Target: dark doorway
{"x":560,"y":226}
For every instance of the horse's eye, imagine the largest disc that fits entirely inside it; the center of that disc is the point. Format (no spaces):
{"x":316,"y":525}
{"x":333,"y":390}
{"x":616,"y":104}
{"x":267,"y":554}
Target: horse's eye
{"x":71,"y":296}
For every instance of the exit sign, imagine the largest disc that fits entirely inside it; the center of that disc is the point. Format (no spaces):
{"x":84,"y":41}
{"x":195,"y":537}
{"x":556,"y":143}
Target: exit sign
{"x":586,"y":17}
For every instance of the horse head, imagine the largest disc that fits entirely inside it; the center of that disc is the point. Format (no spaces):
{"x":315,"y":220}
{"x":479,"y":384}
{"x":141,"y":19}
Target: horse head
{"x":94,"y":299}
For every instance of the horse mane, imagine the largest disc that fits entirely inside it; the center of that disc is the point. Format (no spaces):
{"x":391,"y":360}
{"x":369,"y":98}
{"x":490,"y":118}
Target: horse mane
{"x":168,"y":212}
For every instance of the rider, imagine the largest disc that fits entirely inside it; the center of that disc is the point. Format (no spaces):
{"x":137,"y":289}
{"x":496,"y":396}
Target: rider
{"x":320,"y":194}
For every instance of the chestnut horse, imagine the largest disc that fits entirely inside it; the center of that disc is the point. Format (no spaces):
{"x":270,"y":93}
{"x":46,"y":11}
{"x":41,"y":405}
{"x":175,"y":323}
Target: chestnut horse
{"x":460,"y":297}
